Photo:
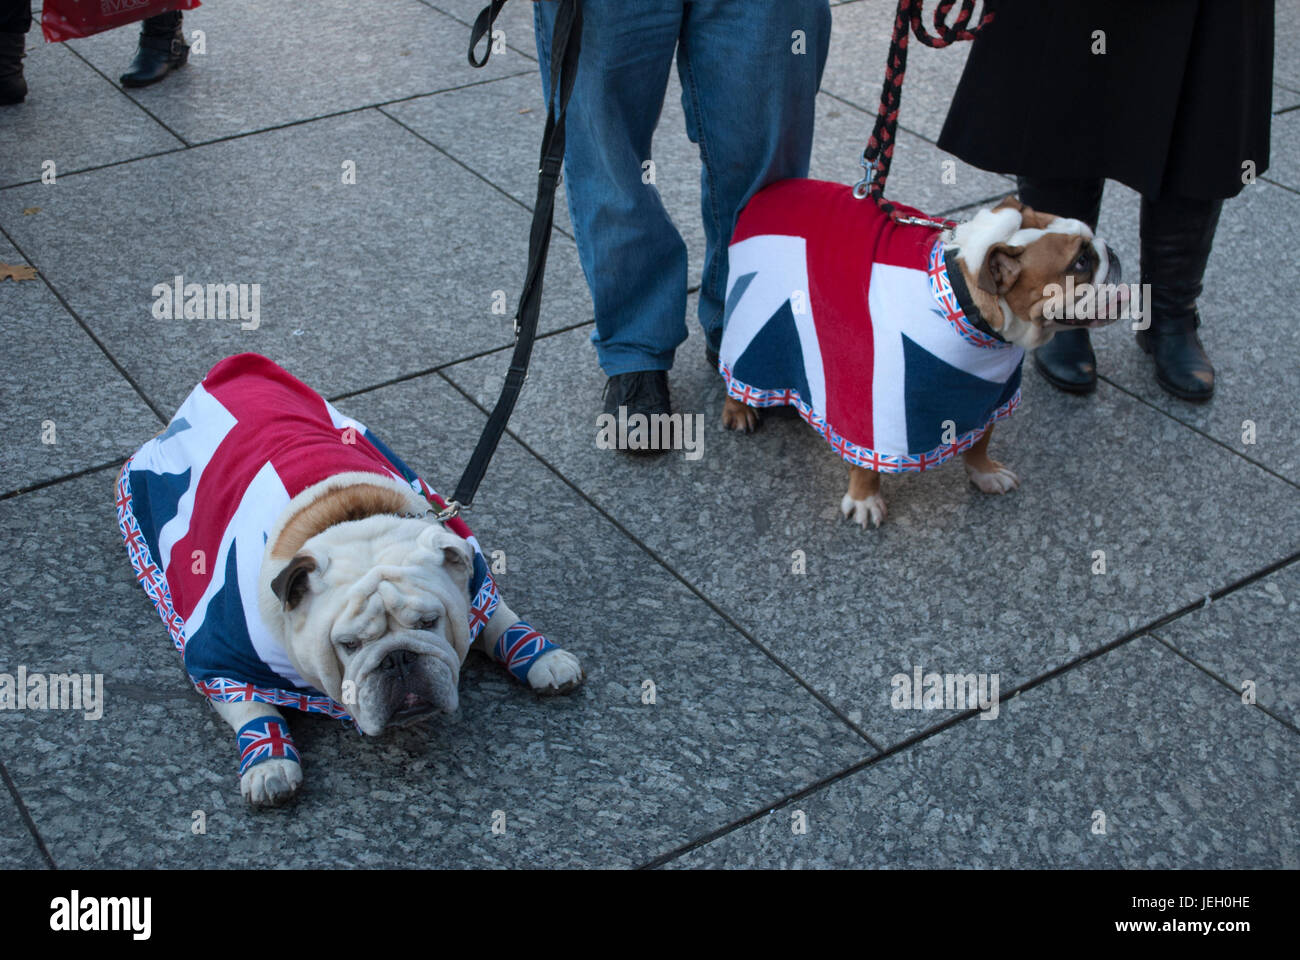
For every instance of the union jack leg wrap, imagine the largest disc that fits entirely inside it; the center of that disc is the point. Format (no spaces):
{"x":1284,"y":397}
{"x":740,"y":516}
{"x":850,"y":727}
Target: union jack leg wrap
{"x":519,"y":647}
{"x":265,"y":738}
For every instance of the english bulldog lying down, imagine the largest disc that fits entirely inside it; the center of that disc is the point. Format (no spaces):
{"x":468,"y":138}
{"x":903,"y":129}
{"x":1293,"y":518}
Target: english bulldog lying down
{"x":900,"y":349}
{"x":296,"y":562}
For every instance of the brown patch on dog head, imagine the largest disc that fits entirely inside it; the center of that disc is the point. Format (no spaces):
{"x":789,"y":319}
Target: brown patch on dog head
{"x":1044,"y":263}
{"x":1030,"y":219}
{"x":344,"y":504}
{"x":290,"y":584}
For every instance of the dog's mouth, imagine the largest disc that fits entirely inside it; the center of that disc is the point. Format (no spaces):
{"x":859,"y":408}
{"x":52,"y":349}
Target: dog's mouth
{"x":412,"y":708}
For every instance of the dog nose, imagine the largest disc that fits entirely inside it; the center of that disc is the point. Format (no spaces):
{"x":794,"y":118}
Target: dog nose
{"x":398,"y":660}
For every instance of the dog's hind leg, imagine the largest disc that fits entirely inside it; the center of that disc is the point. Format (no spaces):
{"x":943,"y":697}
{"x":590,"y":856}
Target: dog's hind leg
{"x":529,"y":656}
{"x":863,"y":500}
{"x":270,"y":771}
{"x":738,"y":416}
{"x":985,"y":472}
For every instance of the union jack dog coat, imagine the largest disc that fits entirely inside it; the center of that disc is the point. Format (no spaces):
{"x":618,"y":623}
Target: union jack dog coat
{"x":853,"y":319}
{"x":196,"y":505}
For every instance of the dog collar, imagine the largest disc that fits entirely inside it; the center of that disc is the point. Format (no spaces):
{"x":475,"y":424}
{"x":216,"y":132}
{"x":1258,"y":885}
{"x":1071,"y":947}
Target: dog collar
{"x":948,"y":285}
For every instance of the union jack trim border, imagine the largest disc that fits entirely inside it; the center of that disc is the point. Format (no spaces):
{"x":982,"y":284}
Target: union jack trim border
{"x":265,"y":738}
{"x":943,"y":292}
{"x":854,"y":453}
{"x":519,"y":647}
{"x":150,"y":577}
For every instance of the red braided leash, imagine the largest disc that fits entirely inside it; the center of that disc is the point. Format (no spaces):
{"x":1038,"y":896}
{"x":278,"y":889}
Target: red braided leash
{"x":879,"y":151}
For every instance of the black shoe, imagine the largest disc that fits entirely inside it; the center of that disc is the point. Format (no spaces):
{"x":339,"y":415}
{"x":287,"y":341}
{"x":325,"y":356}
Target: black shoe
{"x":1067,"y":362}
{"x":13,"y":87}
{"x":162,"y":49}
{"x":644,"y":392}
{"x":1177,"y":234}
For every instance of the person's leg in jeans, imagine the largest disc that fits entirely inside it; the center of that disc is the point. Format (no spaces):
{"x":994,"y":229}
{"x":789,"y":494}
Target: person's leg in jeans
{"x":750,"y":74}
{"x":1066,"y":361}
{"x":15,"y":21}
{"x":633,"y":257}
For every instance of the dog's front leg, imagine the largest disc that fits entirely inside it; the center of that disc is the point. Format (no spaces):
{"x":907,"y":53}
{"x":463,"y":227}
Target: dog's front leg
{"x":270,"y":772}
{"x":985,"y":472}
{"x":863,"y":500}
{"x":529,"y":656}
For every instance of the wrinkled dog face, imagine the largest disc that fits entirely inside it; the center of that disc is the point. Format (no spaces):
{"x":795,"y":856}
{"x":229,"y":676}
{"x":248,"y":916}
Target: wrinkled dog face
{"x":1018,"y":262}
{"x":375,"y":614}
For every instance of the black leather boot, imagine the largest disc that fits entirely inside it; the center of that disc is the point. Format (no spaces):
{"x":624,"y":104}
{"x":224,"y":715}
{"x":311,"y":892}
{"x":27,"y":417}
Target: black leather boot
{"x":1177,"y":234}
{"x":13,"y":88}
{"x":162,"y":49}
{"x":1066,"y":361}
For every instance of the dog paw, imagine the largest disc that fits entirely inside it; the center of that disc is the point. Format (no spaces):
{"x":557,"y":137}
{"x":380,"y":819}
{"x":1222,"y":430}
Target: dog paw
{"x":738,"y":416}
{"x":859,"y":511}
{"x":555,"y":672}
{"x":271,"y":783}
{"x":995,"y":479}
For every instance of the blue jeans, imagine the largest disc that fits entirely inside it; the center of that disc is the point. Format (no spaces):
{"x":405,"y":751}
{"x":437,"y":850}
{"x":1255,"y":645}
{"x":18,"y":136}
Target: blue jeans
{"x":749,"y":99}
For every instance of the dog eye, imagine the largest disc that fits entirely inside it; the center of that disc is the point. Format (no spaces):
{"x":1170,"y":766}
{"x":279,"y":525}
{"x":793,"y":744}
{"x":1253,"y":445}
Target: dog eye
{"x":1082,"y":264}
{"x":351,"y":646}
{"x":427,"y":624}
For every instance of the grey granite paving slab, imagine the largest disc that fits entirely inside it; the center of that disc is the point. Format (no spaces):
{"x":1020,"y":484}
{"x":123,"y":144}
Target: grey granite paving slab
{"x":1286,"y":58}
{"x":72,"y":117}
{"x":1284,"y":150}
{"x":1251,"y":635}
{"x":393,"y":274}
{"x":594,"y":779}
{"x":856,"y":66}
{"x":1284,"y":97}
{"x":18,"y":849}
{"x":1184,"y":774}
{"x":956,"y":580}
{"x":1247,"y":325}
{"x":65,"y":406}
{"x":269,"y":63}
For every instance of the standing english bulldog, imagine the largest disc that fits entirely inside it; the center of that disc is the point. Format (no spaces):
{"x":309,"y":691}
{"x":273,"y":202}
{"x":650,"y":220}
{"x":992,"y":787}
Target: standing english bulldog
{"x":899,"y":348}
{"x":296,"y":562}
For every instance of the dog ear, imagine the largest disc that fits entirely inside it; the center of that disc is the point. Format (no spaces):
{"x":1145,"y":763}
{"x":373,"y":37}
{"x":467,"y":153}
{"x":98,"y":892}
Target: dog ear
{"x":1000,"y":269}
{"x":290,"y":584}
{"x":1009,"y":201}
{"x":456,"y":555}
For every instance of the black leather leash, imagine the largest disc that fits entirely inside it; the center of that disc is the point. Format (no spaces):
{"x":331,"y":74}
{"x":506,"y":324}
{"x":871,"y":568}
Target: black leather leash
{"x":565,"y":43}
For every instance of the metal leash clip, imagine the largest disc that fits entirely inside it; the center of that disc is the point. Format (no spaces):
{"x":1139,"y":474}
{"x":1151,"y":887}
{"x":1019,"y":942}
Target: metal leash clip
{"x":861,"y":188}
{"x":449,"y":512}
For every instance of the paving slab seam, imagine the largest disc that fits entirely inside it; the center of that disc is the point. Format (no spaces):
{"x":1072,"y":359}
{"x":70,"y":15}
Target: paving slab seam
{"x":1224,"y":681}
{"x":451,"y":363}
{"x":86,"y":327}
{"x":141,"y":107}
{"x":509,"y":46}
{"x":460,"y":163}
{"x":100,"y":166}
{"x":871,"y":112}
{"x":926,"y":734}
{"x":357,"y":109}
{"x":1278,"y":183}
{"x":110,"y":465}
{"x":726,"y":617}
{"x":1199,"y":432}
{"x":27,"y":817}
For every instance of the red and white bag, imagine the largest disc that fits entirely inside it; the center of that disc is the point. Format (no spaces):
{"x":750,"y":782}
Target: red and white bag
{"x":68,"y":19}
